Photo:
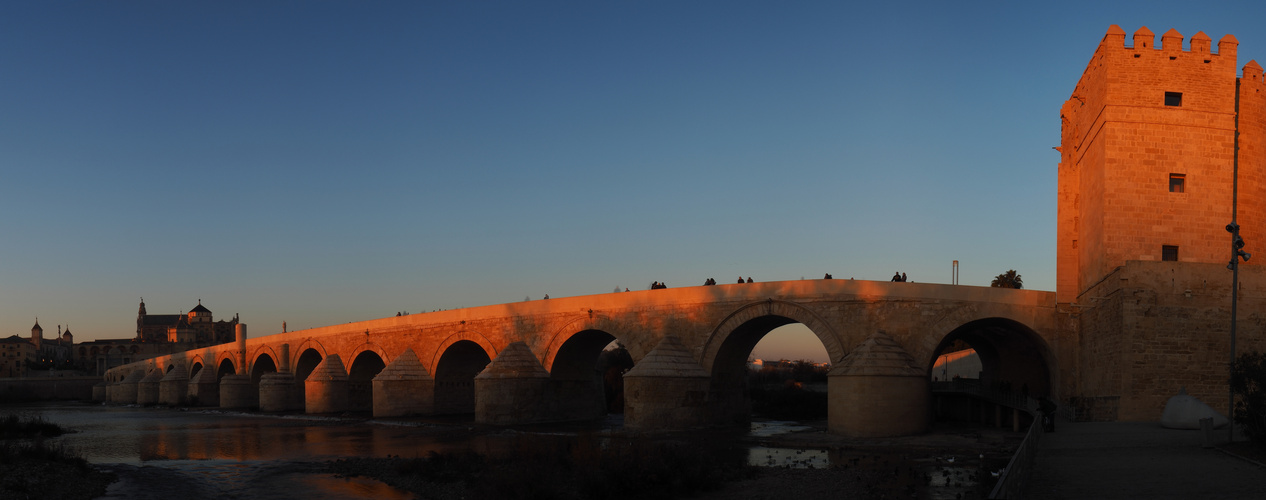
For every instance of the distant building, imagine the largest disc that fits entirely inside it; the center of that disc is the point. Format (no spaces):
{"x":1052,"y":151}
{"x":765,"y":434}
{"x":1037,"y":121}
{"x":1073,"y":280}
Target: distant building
{"x":16,"y":353}
{"x":156,"y":335}
{"x":195,"y":327}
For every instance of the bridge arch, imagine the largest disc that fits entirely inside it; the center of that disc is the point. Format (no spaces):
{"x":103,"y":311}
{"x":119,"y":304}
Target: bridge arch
{"x":599,"y":323}
{"x":459,"y":358}
{"x":225,"y":367}
{"x":585,"y":380}
{"x":225,"y":357}
{"x":726,"y":351}
{"x":772,"y":313}
{"x":371,"y":347}
{"x":1012,"y":355}
{"x":195,"y":365}
{"x":262,"y":351}
{"x":306,"y":358}
{"x":364,"y":363}
{"x":482,"y":341}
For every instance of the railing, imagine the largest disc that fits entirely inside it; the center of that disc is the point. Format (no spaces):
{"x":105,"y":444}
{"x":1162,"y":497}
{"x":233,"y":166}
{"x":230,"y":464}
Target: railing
{"x":1014,"y":477}
{"x":1010,"y":399}
{"x":1012,"y":480}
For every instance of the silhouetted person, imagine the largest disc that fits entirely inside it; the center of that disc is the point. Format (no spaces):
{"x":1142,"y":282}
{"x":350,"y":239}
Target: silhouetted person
{"x":1047,"y":408}
{"x":903,"y":277}
{"x":749,"y":279}
{"x":741,"y":280}
{"x":896,"y":277}
{"x":827,"y":277}
{"x":547,"y":296}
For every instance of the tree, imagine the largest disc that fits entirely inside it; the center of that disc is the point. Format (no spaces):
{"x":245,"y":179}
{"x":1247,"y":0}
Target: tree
{"x":1008,"y":279}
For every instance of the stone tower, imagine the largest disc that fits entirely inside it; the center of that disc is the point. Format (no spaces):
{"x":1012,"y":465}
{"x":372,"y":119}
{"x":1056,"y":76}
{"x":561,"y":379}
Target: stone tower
{"x":1152,"y":139}
{"x":37,"y":335}
{"x":1146,"y":157}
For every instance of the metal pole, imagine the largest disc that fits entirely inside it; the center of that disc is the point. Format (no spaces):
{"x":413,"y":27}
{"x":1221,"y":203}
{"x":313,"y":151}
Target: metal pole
{"x":1235,"y":285}
{"x":1235,"y":263}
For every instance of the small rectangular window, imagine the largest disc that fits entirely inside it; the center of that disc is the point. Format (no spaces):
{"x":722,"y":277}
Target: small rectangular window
{"x":1169,"y":253}
{"x":1177,"y":183}
{"x":1173,"y":98}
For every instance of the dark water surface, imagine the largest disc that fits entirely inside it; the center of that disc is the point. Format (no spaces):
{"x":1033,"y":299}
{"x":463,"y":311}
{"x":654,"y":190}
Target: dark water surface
{"x":192,"y":454}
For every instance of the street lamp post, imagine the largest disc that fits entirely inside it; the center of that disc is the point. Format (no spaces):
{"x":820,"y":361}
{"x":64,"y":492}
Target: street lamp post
{"x":1237,"y":253}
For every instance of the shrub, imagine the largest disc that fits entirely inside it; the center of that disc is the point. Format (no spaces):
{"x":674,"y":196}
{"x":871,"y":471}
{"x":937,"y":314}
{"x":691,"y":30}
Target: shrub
{"x":1248,"y":382}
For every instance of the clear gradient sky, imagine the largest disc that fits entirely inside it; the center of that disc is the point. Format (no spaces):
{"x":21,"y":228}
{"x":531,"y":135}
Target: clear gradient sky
{"x":327,"y":162}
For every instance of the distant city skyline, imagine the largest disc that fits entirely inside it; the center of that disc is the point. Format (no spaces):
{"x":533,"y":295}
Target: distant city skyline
{"x":325,"y":163}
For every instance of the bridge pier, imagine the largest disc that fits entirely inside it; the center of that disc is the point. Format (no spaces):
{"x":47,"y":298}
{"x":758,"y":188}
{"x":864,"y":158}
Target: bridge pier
{"x":204,"y":389}
{"x":404,"y":388}
{"x":666,"y":390}
{"x":237,"y":391}
{"x":125,"y":392}
{"x":511,"y":389}
{"x":877,"y":391}
{"x":325,"y":390}
{"x":277,"y":392}
{"x":147,"y":388}
{"x":174,"y":386}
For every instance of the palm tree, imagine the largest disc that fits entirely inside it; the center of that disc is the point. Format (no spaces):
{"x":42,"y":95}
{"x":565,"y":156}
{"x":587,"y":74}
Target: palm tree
{"x":1008,"y":279}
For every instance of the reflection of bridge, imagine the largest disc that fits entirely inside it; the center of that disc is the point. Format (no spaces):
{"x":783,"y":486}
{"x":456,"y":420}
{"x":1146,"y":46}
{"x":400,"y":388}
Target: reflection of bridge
{"x":535,"y":361}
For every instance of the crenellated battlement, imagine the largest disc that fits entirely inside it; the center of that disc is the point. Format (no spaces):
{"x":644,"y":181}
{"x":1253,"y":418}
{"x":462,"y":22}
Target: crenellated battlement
{"x":1171,"y":42}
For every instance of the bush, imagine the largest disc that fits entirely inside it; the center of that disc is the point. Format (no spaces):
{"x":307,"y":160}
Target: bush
{"x":13,"y":426}
{"x":1248,"y":382}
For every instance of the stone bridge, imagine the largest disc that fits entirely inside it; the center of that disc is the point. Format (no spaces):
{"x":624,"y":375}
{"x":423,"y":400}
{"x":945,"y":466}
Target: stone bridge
{"x":535,"y":361}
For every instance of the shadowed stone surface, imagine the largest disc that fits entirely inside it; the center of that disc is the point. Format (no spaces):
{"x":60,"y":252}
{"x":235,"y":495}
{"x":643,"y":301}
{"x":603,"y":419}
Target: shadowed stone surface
{"x":147,"y":388}
{"x":325,"y":390}
{"x":880,"y":391}
{"x":511,"y":389}
{"x":404,"y":388}
{"x":666,"y":391}
{"x":174,"y":387}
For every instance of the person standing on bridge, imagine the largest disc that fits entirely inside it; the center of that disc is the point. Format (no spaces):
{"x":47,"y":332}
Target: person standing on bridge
{"x":749,"y":279}
{"x":903,"y":277}
{"x":741,"y":280}
{"x":896,"y":277}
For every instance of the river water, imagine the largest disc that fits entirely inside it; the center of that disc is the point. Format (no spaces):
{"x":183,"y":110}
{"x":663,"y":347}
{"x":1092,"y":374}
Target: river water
{"x":192,"y":454}
{"x":165,"y":453}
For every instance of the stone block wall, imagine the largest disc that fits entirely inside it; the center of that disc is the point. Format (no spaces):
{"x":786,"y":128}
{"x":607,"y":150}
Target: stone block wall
{"x":1157,"y":327}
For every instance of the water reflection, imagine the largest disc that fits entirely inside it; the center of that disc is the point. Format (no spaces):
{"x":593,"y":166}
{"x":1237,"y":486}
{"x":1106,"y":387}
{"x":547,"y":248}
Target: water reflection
{"x":161,"y":453}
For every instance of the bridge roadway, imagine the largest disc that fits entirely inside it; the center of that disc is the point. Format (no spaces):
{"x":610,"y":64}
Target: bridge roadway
{"x":535,"y":361}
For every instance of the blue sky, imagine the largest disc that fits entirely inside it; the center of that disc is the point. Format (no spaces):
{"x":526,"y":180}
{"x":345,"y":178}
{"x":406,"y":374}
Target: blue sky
{"x":326,"y":162}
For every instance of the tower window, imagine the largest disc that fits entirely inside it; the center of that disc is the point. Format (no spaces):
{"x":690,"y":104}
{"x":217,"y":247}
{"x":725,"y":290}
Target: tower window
{"x":1169,"y":253}
{"x":1173,"y":98}
{"x":1177,"y":183}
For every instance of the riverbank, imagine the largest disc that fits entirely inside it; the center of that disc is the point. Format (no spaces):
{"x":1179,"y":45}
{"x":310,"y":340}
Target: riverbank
{"x":34,"y":467}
